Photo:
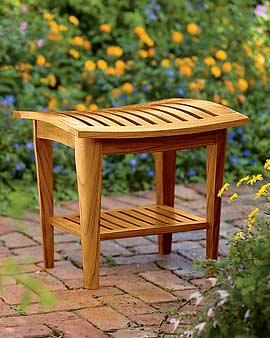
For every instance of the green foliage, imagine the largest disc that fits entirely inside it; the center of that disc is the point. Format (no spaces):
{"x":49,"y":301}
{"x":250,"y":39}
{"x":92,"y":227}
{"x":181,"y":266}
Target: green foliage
{"x":32,"y":286}
{"x":243,"y":309}
{"x":57,"y":57}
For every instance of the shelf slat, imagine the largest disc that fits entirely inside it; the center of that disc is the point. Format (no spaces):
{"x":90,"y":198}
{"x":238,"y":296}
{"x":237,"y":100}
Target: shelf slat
{"x":139,"y":221}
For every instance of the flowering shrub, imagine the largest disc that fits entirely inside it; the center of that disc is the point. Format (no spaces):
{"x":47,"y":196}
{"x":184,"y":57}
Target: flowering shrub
{"x":87,"y":54}
{"x":240,"y":294}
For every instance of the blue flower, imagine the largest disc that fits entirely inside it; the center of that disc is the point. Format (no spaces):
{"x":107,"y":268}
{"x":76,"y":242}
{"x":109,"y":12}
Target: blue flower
{"x":20,"y":166}
{"x":234,"y":160}
{"x":191,"y":173}
{"x":170,"y":73}
{"x":57,"y":168}
{"x":16,"y":146}
{"x":115,"y":104}
{"x":231,"y":136}
{"x":106,"y":171}
{"x":143,"y":156}
{"x":150,"y":173}
{"x":146,"y":88}
{"x":133,"y":162}
{"x":8,"y":100}
{"x":180,"y":91}
{"x":29,"y":145}
{"x":246,"y":152}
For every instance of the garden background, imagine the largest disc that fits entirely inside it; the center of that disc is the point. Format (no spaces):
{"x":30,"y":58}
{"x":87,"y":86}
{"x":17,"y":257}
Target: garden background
{"x":84,"y":54}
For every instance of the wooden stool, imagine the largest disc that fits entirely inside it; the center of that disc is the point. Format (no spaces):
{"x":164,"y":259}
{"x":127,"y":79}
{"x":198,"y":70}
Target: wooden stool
{"x":161,"y":127}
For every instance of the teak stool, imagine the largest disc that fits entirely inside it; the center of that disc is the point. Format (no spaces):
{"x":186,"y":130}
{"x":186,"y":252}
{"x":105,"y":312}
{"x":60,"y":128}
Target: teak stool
{"x":161,"y":127}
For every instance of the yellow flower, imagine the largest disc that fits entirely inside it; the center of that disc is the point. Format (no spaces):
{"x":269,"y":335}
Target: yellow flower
{"x":209,"y":61}
{"x":74,"y":53}
{"x":177,"y":37}
{"x":51,"y":80}
{"x":54,"y":26}
{"x":87,"y":44}
{"x":224,"y":102}
{"x":41,"y":60}
{"x":139,"y":31}
{"x":73,"y":20}
{"x":111,"y":71}
{"x":77,"y":40}
{"x":186,"y":70}
{"x":25,"y":76}
{"x":229,"y":85}
{"x":63,"y":28}
{"x":242,"y":84}
{"x":244,"y":179}
{"x":93,"y":106}
{"x":241,"y":98}
{"x":52,"y":104}
{"x":197,"y":84}
{"x":127,"y":87}
{"x":251,"y":219}
{"x":216,"y":71}
{"x":145,"y":38}
{"x":223,"y":189}
{"x":239,"y":235}
{"x":193,"y":28}
{"x":53,"y":36}
{"x":143,"y":53}
{"x":226,"y":67}
{"x":106,"y":28}
{"x":255,"y":178}
{"x":48,"y":16}
{"x":80,"y":107}
{"x":267,"y":165}
{"x":102,"y":64}
{"x":114,"y":51}
{"x":151,"y":52}
{"x":247,"y":49}
{"x":264,"y":189}
{"x":233,"y":196}
{"x":221,"y":55}
{"x":120,"y":64}
{"x":216,"y":98}
{"x":165,"y":63}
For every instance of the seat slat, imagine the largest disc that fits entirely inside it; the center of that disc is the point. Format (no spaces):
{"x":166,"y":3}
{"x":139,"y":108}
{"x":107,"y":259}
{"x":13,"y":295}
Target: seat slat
{"x":196,"y":111}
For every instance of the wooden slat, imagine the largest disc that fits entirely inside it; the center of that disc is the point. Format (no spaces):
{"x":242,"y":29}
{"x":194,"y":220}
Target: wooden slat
{"x":196,"y":111}
{"x":176,"y":112}
{"x":181,"y":213}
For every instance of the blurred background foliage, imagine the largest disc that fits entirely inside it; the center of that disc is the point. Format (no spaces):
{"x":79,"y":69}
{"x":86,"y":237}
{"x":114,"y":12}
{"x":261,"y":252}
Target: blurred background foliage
{"x":86,"y":54}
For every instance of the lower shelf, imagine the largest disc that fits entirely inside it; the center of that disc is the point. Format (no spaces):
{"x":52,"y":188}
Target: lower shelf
{"x":138,"y":221}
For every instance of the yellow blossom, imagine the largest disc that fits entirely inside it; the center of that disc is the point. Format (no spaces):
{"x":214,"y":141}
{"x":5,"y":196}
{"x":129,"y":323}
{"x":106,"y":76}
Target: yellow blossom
{"x":151,"y":52}
{"x":73,"y":20}
{"x":52,"y":105}
{"x":87,"y":44}
{"x":74,"y":53}
{"x":229,"y":85}
{"x":114,"y":51}
{"x":264,"y":189}
{"x":111,"y":71}
{"x":186,"y":70}
{"x":143,"y":53}
{"x":106,"y":28}
{"x":53,"y":36}
{"x":177,"y":37}
{"x":102,"y":64}
{"x":54,"y":26}
{"x":209,"y":61}
{"x":242,"y":84}
{"x":226,"y":67}
{"x":51,"y":80}
{"x":251,"y":219}
{"x":255,"y":178}
{"x":216,"y":98}
{"x":239,"y":235}
{"x":165,"y":63}
{"x":221,"y":55}
{"x":120,"y":64}
{"x":242,"y":180}
{"x":223,"y":189}
{"x":145,"y":38}
{"x":90,"y":65}
{"x":247,"y":49}
{"x":241,"y":98}
{"x":139,"y":30}
{"x":63,"y":28}
{"x":78,"y":40}
{"x":216,"y":71}
{"x":234,"y":196}
{"x":80,"y":107}
{"x":127,"y":87}
{"x":224,"y":102}
{"x":48,"y":16}
{"x":193,"y":29}
{"x":93,"y":106}
{"x":25,"y":76}
{"x":41,"y":60}
{"x":267,"y":164}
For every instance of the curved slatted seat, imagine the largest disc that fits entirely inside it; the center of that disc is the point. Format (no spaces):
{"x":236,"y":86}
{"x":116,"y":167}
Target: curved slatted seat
{"x":158,"y":118}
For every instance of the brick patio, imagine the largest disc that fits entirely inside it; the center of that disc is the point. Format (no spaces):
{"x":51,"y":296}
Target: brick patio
{"x":138,"y":287}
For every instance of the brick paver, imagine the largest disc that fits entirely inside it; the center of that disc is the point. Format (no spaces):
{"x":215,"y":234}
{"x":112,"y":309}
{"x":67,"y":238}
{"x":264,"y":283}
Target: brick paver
{"x":138,"y":287}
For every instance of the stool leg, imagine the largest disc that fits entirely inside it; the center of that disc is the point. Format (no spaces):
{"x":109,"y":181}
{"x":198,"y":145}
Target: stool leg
{"x":88,"y":157}
{"x":215,"y":170}
{"x":44,"y":168}
{"x":165,"y":184}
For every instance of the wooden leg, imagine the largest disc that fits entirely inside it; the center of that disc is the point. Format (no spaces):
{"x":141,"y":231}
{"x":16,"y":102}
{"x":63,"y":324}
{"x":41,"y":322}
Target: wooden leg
{"x":88,"y":157}
{"x":44,"y":168}
{"x":165,"y":184}
{"x":215,"y":170}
